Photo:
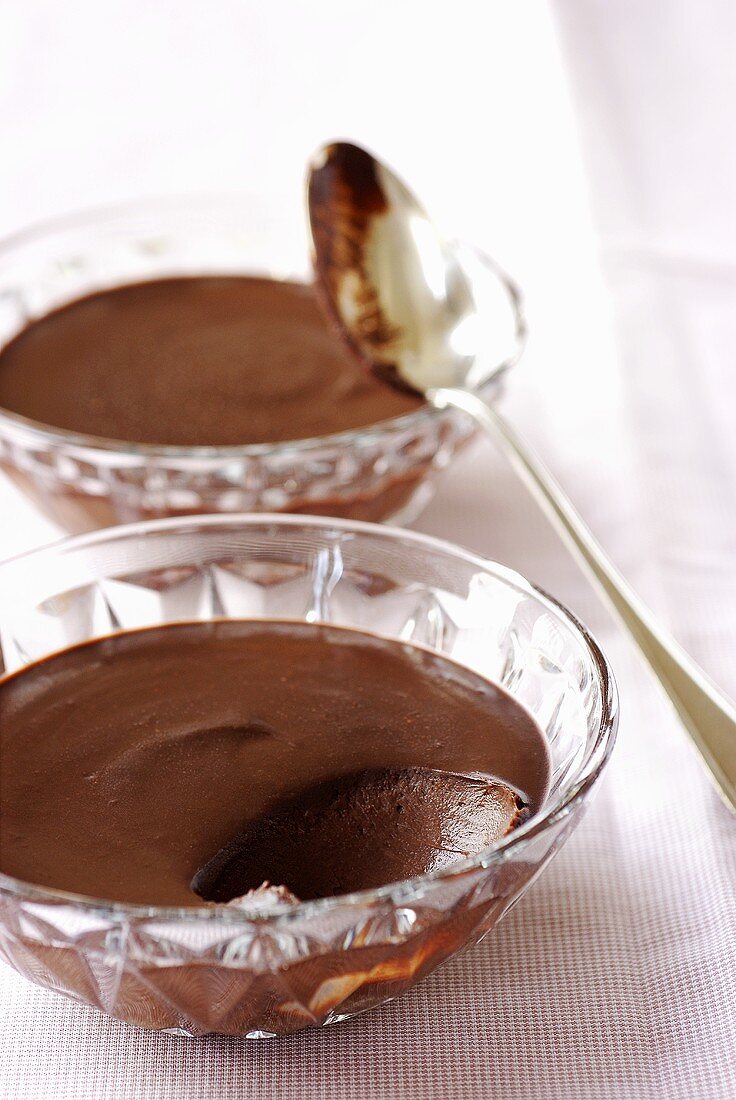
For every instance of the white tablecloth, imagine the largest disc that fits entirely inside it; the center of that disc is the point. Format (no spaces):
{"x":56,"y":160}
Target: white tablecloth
{"x":616,"y":976}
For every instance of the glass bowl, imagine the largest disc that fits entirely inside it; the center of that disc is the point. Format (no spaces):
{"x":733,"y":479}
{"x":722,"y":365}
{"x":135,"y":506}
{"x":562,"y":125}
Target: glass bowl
{"x":383,"y":471}
{"x":218,"y":969}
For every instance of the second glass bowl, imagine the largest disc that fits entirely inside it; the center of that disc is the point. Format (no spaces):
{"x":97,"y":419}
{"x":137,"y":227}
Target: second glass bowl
{"x":383,"y":471}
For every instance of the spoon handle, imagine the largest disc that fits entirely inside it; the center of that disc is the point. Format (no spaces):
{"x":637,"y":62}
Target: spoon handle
{"x":707,"y":714}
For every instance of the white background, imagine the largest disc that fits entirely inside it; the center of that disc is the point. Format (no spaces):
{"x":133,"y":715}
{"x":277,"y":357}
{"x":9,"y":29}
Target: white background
{"x":589,"y":147}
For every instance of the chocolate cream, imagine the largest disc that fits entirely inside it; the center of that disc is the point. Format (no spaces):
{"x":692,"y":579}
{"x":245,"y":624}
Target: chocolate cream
{"x":186,"y":764}
{"x":202,"y":361}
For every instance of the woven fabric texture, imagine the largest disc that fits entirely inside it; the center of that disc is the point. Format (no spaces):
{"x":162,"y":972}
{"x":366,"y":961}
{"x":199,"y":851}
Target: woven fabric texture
{"x":615,"y":977}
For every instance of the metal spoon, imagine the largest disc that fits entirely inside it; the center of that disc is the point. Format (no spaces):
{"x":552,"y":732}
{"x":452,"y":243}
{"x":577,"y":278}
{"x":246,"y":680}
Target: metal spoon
{"x":426,"y":318}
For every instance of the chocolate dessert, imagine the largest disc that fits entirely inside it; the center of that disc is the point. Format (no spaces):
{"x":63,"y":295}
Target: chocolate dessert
{"x":188,"y":764}
{"x":203,"y":361}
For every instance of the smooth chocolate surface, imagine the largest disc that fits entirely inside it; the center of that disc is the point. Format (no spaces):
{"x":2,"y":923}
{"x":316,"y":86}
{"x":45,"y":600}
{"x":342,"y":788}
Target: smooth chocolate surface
{"x":201,"y":361}
{"x":236,"y":751}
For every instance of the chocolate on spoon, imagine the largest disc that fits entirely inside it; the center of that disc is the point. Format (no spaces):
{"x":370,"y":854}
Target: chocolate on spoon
{"x":363,"y":831}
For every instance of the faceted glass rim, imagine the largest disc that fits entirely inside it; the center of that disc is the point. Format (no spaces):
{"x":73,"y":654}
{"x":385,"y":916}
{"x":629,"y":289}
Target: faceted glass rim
{"x":48,"y":433}
{"x":599,"y":742}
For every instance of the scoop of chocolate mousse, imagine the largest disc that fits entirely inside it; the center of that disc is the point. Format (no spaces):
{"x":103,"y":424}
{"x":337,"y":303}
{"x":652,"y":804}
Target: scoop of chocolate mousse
{"x":362,"y":831}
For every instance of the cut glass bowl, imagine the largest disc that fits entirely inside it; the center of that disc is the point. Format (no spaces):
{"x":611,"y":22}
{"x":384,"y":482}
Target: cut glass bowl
{"x":217,"y":969}
{"x":382,"y":471}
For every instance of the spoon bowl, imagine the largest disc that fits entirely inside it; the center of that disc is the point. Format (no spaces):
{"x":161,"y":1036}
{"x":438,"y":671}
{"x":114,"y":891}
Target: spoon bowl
{"x":420,"y":311}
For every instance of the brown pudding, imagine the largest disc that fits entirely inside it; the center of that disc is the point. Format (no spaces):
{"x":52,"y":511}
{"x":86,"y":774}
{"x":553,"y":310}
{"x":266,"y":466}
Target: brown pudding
{"x":202,"y":361}
{"x":212,"y":756}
